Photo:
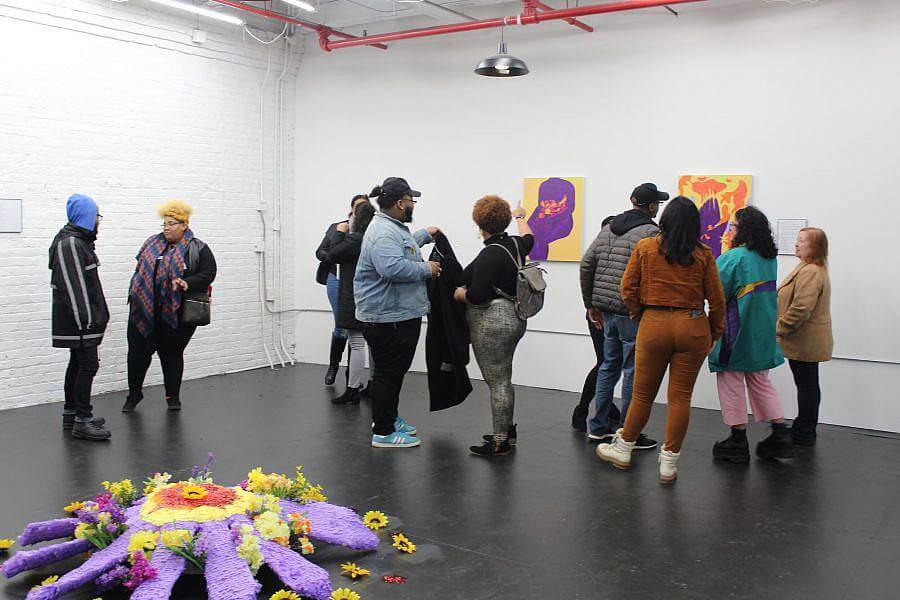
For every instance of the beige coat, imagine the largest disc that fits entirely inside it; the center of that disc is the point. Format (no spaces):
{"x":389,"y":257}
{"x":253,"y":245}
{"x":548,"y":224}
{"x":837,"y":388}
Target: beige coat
{"x":804,"y":314}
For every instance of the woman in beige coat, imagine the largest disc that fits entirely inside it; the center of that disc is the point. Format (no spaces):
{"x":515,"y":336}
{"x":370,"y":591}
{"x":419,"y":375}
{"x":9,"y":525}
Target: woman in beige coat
{"x":804,"y":327}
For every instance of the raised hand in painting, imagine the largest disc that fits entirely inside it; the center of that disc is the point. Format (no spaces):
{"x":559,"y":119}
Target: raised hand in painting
{"x":519,"y":211}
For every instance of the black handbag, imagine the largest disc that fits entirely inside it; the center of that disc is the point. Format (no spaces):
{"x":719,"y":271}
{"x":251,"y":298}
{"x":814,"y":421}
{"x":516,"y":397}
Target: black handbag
{"x":196,"y":307}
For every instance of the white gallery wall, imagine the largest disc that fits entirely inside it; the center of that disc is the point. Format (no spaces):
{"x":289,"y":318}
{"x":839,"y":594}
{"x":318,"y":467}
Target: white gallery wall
{"x":115,"y":101}
{"x":803,"y":97}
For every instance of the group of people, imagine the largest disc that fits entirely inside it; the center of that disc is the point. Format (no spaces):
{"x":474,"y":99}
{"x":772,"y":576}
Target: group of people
{"x":174,"y":268}
{"x":657,"y":301}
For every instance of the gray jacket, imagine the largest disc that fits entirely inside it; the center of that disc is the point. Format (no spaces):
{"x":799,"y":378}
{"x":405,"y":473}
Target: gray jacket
{"x":604,"y":263}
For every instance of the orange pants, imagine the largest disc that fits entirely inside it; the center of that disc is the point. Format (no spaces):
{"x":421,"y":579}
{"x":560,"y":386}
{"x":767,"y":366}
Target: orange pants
{"x":680,"y":341}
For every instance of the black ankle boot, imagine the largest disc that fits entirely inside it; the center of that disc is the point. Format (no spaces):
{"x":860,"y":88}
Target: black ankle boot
{"x":491,"y":448}
{"x":734,"y":448}
{"x":89,"y":430}
{"x":512,"y":436}
{"x":579,"y":418}
{"x":131,"y":402}
{"x":350,"y":396}
{"x":779,"y":444}
{"x":334,"y":360}
{"x":366,"y":392}
{"x":69,"y":421}
{"x":173,"y":402}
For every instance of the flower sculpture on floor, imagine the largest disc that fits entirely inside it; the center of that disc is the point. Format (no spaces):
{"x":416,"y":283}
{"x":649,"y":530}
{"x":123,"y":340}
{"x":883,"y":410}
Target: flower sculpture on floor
{"x":146,"y":543}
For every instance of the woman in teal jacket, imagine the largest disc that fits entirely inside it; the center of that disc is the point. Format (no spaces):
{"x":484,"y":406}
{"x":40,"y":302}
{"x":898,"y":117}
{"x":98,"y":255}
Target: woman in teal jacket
{"x":748,"y":349}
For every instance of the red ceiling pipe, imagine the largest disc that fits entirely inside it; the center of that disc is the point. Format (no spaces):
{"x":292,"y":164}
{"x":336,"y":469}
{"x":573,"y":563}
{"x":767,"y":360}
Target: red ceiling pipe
{"x":318,"y":27}
{"x":526,"y":18}
{"x":535,"y":4}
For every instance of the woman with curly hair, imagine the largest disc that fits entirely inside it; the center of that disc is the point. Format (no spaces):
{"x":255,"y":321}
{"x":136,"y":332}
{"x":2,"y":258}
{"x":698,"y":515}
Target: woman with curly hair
{"x":669,"y":279}
{"x":168,"y":265}
{"x":494,"y":326}
{"x":748,"y":348}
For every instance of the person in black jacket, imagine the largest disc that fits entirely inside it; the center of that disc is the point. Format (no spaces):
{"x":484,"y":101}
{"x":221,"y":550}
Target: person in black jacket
{"x":343,"y":250}
{"x":168,"y":264}
{"x":80,"y":314}
{"x":494,"y":325}
{"x":327,"y":275}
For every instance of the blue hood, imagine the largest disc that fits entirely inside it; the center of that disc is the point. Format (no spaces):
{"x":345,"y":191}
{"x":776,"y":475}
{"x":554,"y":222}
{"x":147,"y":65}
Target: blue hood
{"x":82,"y":211}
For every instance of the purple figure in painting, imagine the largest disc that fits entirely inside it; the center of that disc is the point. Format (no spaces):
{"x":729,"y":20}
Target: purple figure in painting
{"x":552,"y":218}
{"x":711,"y":231}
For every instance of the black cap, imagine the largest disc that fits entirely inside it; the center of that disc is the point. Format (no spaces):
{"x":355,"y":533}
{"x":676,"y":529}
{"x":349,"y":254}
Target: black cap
{"x":646,"y":193}
{"x":397,"y":187}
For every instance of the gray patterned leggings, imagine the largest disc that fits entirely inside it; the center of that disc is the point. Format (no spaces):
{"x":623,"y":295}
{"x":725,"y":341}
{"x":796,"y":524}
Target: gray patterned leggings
{"x":495,"y":331}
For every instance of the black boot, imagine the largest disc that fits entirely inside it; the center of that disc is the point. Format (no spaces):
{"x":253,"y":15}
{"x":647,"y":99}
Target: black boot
{"x":350,"y":396}
{"x":334,"y":361}
{"x":734,"y":448}
{"x":366,"y":392}
{"x":174,"y":403}
{"x":89,"y":430}
{"x":69,"y":421}
{"x":779,"y":444}
{"x":491,"y":448}
{"x":512,"y":436}
{"x":132,"y":401}
{"x":579,"y":418}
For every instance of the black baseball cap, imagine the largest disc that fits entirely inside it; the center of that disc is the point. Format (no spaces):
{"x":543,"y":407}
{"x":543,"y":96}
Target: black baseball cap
{"x":646,"y":193}
{"x":397,"y":187}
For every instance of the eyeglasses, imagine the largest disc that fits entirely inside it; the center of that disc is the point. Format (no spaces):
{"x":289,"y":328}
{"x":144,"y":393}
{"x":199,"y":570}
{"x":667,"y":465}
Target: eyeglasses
{"x":171,"y":224}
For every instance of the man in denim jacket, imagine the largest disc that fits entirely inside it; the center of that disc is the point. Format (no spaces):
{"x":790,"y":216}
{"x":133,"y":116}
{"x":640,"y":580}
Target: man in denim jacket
{"x":391,"y":299}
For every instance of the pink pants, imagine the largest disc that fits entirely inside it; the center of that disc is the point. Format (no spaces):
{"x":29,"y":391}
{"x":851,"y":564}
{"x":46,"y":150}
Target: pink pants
{"x":733,"y":397}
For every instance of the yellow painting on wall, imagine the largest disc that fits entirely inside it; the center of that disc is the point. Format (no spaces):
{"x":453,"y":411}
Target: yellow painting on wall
{"x":554,"y":206}
{"x":718,"y":197}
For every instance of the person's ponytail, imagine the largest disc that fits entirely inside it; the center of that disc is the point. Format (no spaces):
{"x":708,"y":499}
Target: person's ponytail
{"x":376,"y":192}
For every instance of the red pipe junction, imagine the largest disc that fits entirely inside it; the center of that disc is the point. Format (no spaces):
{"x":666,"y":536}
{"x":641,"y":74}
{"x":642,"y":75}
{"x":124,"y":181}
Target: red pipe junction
{"x":534,"y":12}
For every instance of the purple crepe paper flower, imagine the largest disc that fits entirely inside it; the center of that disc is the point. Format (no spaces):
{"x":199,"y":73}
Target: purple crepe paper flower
{"x":112,"y":579}
{"x":296,"y":572}
{"x":233,"y":579}
{"x":48,"y":530}
{"x":334,"y":524}
{"x":169,"y":567}
{"x":32,"y":559}
{"x":141,"y":571}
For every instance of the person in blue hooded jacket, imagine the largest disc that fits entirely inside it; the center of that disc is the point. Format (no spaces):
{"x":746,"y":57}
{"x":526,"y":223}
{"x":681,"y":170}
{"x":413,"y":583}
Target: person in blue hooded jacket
{"x":80,"y":313}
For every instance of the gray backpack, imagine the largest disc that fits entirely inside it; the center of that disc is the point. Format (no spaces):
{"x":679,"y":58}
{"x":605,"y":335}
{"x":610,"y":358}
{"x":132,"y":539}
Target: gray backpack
{"x":530,"y":285}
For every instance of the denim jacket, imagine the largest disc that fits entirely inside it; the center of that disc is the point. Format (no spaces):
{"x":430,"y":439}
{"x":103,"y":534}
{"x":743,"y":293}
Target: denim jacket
{"x":389,"y":285}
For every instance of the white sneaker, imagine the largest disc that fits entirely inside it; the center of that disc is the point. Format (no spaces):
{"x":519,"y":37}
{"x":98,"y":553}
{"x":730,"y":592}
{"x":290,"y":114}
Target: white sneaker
{"x":617,"y":452}
{"x":668,"y":473}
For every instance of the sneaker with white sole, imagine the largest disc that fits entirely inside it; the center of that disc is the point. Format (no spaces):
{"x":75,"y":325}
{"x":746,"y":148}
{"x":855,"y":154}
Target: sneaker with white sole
{"x":395,"y":440}
{"x":668,"y":472}
{"x":401,"y":426}
{"x":601,"y":435}
{"x":617,"y":452}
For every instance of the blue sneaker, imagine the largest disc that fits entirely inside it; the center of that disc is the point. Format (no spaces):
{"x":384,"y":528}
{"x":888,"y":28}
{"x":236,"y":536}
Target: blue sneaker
{"x":395,"y":440}
{"x":401,"y":426}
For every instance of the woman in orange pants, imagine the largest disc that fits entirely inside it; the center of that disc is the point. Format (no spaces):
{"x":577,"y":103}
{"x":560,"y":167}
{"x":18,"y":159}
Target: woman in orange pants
{"x":668,"y":280}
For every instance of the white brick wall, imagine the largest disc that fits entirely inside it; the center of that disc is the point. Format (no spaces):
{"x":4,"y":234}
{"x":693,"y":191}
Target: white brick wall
{"x":114,"y":101}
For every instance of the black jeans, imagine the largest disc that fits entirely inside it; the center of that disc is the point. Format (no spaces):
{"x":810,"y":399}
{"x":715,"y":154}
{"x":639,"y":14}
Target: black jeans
{"x":809,"y":395}
{"x":168,"y":344}
{"x":590,"y":382}
{"x":83,"y":365}
{"x":393,"y":346}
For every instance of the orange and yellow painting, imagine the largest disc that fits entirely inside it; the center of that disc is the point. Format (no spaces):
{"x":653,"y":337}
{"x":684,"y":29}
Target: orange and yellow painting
{"x":554,"y":209}
{"x":717,"y":197}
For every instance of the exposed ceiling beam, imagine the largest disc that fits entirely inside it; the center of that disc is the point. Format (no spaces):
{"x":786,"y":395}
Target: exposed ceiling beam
{"x":438,"y":12}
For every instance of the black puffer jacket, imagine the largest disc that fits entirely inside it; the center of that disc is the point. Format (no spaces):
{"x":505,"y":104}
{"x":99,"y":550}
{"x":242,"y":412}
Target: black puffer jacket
{"x":343,"y":250}
{"x":80,"y":313}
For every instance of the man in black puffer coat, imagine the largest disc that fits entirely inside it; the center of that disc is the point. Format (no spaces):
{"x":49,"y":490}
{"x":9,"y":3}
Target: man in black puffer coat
{"x":80,"y":314}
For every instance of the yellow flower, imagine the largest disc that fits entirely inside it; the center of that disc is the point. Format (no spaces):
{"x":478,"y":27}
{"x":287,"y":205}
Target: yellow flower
{"x":313,"y":493}
{"x":82,"y":531}
{"x":73,"y":506}
{"x":176,"y":538}
{"x":284,"y":595}
{"x":299,"y":524}
{"x":345,"y":594}
{"x":143,"y":541}
{"x":375,"y":520}
{"x":403,"y":544}
{"x":270,"y":526}
{"x":48,"y":581}
{"x":306,"y":546}
{"x":272,"y":503}
{"x":158,"y":480}
{"x":193,"y":492}
{"x":352,"y":570}
{"x":104,"y":518}
{"x":6,"y":544}
{"x":123,"y":491}
{"x":249,"y":549}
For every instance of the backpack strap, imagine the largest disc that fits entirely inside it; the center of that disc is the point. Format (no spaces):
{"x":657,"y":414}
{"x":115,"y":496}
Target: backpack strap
{"x":517,"y":259}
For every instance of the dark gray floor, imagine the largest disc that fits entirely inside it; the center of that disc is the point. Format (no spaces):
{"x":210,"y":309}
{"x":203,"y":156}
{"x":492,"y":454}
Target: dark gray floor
{"x":549,"y":521}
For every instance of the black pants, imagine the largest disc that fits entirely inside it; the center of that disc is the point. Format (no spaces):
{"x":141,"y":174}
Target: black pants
{"x":809,"y":395}
{"x":393,"y":346}
{"x":590,"y":382}
{"x":168,"y":344}
{"x":83,"y":365}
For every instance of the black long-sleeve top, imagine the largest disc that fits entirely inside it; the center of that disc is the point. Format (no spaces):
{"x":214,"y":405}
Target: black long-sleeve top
{"x":493,"y":268}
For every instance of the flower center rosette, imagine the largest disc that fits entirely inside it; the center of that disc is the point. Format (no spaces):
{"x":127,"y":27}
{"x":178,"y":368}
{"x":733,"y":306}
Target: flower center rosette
{"x":180,"y":502}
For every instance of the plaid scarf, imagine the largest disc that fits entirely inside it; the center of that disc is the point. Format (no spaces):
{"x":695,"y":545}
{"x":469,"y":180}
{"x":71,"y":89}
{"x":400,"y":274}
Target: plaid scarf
{"x":143,"y":284}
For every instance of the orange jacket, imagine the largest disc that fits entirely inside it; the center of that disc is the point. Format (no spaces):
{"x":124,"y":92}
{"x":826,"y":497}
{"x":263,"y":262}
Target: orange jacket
{"x":650,"y":280}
